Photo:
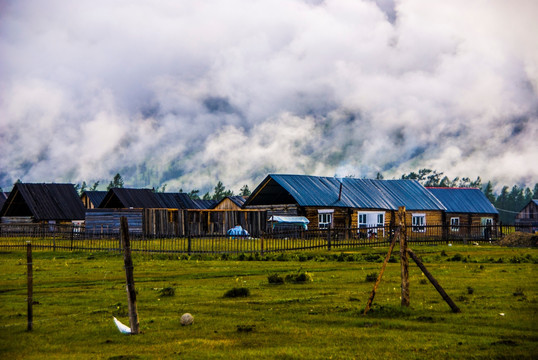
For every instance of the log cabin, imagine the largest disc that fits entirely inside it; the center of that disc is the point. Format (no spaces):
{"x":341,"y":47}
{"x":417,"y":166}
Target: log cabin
{"x":468,"y":211}
{"x":328,"y":202}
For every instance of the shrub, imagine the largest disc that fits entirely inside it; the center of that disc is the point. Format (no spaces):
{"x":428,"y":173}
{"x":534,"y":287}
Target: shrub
{"x":275,"y":279}
{"x":470,"y":290}
{"x":457,"y":257}
{"x":299,"y":277}
{"x":167,"y":291}
{"x":518,"y":292}
{"x":423,"y":281}
{"x":237,"y":292}
{"x":371,"y":277}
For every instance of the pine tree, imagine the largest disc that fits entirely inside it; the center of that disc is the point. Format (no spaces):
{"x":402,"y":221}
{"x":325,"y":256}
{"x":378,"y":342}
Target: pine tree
{"x":116,"y":183}
{"x":245,"y":191}
{"x":488,"y":191}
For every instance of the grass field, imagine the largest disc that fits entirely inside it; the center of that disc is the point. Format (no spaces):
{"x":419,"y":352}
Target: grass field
{"x":77,"y":294}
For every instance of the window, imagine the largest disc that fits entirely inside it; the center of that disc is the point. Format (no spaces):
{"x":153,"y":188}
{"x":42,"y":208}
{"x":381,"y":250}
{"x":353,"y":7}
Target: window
{"x":371,"y":220}
{"x":486,"y":223}
{"x":325,"y":219}
{"x":418,"y":222}
{"x":455,"y":224}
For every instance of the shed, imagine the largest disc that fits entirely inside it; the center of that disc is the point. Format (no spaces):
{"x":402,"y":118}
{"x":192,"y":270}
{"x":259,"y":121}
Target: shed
{"x":92,"y":199}
{"x":43,"y":203}
{"x":230,"y":203}
{"x":527,"y":218}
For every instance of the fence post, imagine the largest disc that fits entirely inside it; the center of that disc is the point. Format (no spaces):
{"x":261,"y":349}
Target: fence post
{"x":261,"y":245}
{"x":189,"y":242}
{"x":329,"y":238}
{"x":404,"y":260}
{"x":30,"y":277}
{"x":128,"y":263}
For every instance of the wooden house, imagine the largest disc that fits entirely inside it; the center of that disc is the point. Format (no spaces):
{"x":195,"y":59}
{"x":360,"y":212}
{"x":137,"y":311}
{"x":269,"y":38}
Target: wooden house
{"x":527,"y":218}
{"x":43,"y":203}
{"x":92,"y":199}
{"x":329,"y":202}
{"x":468,"y":210}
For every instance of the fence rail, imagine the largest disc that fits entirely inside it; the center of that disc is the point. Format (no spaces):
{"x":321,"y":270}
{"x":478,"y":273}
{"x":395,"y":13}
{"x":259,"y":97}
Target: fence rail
{"x":75,"y":238}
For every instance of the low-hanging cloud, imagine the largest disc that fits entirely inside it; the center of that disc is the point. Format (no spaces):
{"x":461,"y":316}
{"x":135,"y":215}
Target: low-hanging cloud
{"x":186,"y":93}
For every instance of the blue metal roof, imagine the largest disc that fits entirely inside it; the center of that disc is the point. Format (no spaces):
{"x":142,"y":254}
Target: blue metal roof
{"x":319,"y":191}
{"x":464,"y":200}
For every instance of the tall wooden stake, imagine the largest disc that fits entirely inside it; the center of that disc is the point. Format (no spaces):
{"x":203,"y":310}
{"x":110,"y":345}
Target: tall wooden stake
{"x":128,"y":262}
{"x":30,"y":276}
{"x":434,"y":282}
{"x":404,"y":260}
{"x":372,"y":295}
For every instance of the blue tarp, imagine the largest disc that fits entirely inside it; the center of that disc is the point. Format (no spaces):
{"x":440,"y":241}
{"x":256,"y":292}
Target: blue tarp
{"x":290,"y":220}
{"x":237,"y":231}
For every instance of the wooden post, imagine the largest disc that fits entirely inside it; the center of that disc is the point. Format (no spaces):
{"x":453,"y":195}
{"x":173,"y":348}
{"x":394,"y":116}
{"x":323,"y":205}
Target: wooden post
{"x":329,"y":238}
{"x":30,"y":276}
{"x":128,"y":262}
{"x":404,"y":260}
{"x":372,"y":295}
{"x":434,"y":282}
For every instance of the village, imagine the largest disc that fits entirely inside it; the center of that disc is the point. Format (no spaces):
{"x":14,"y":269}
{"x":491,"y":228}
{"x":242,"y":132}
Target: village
{"x":293,"y":205}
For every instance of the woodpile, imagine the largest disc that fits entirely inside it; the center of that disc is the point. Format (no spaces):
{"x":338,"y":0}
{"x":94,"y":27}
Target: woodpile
{"x":520,"y":239}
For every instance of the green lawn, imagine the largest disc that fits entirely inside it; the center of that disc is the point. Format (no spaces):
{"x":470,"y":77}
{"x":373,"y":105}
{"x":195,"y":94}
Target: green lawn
{"x":77,"y":295}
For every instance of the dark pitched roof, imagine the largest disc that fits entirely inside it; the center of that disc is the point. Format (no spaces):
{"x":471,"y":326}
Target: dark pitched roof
{"x":204,"y":204}
{"x":95,"y":196}
{"x":122,"y":198}
{"x":3,"y":198}
{"x":356,"y":193}
{"x":175,"y":200}
{"x":44,"y":202}
{"x":464,"y":200}
{"x":236,"y":199}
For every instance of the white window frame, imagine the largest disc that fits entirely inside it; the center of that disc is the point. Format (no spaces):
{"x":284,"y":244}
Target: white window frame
{"x":325,"y":218}
{"x":418,"y":225}
{"x":372,"y":220}
{"x":454,"y":224}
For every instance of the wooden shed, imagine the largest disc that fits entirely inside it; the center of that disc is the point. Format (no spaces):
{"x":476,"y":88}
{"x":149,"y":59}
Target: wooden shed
{"x":230,"y":203}
{"x":527,"y":218}
{"x":92,"y":199}
{"x":43,"y":203}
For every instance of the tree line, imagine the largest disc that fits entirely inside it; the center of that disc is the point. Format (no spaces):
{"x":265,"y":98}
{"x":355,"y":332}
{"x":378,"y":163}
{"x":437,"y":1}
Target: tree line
{"x":508,"y":202}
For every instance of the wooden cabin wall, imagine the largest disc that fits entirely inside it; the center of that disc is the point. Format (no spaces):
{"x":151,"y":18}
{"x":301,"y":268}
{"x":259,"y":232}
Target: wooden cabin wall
{"x":108,"y":220}
{"x":227,"y":204}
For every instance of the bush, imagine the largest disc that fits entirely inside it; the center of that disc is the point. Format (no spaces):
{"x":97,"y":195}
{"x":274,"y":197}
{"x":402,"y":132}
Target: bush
{"x":372,"y":277}
{"x":299,"y":277}
{"x":275,"y":279}
{"x":237,"y":292}
{"x":167,"y":291}
{"x":470,"y":290}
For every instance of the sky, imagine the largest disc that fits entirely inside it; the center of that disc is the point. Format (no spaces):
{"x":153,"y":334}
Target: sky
{"x":186,"y":93}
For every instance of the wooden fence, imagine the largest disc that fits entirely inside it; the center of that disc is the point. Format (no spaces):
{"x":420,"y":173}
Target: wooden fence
{"x":73,"y":238}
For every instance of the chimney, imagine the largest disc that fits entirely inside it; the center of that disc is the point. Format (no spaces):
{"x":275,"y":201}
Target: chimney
{"x":340,"y":192}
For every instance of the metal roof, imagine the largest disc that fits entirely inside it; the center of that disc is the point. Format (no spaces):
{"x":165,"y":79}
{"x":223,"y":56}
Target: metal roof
{"x":316,"y":191}
{"x":95,"y":196}
{"x":118,"y":198}
{"x":464,"y":200}
{"x":204,"y":204}
{"x":44,"y":202}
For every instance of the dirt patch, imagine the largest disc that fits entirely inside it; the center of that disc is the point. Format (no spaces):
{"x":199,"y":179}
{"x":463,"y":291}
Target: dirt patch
{"x":520,"y":239}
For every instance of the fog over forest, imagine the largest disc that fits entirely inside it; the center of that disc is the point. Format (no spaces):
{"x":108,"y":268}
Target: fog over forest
{"x":188,"y":93}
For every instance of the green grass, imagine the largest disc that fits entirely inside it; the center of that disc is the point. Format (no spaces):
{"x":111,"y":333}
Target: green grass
{"x":78,"y":293}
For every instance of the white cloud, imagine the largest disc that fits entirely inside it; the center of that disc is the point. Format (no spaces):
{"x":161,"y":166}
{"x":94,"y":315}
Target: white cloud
{"x":185,"y":92}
